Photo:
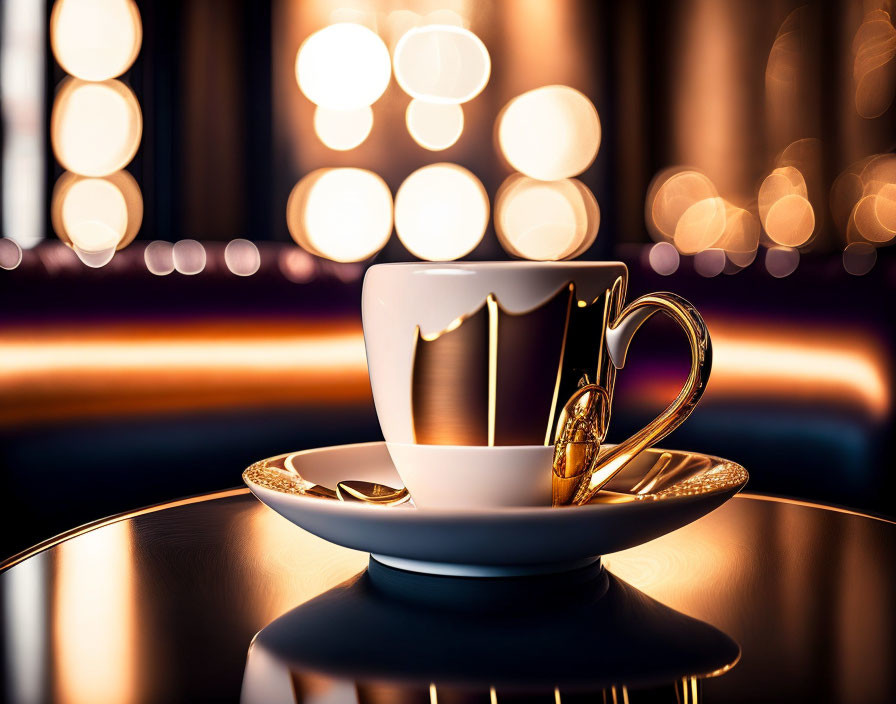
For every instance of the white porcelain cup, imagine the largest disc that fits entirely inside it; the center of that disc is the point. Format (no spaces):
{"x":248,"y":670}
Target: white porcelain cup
{"x":471,"y":362}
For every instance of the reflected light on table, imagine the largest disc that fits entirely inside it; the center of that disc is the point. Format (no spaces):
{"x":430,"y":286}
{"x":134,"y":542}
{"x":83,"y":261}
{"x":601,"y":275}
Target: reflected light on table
{"x":279,"y":547}
{"x":95,"y":618}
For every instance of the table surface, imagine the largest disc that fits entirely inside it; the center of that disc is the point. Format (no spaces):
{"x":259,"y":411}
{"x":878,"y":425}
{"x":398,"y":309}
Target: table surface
{"x":162,"y":605}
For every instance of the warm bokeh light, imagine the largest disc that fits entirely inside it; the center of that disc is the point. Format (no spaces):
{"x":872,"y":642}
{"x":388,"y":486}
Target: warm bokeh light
{"x":783,"y":181}
{"x":344,"y":66}
{"x":790,"y":221}
{"x":95,"y":128}
{"x":342,"y":130}
{"x":740,"y":241}
{"x":700,"y":226}
{"x":242,"y":257}
{"x":549,"y":133}
{"x":297,"y":265}
{"x":189,"y":257}
{"x":114,"y":201}
{"x":441,"y":64}
{"x":874,"y":67}
{"x":341,"y":214}
{"x":10,"y":254}
{"x":863,"y":200}
{"x":781,"y":261}
{"x":95,"y":39}
{"x":670,"y":194}
{"x":664,"y":258}
{"x":434,"y":126}
{"x":441,"y":212}
{"x":94,"y":242}
{"x":859,"y":258}
{"x":710,"y":262}
{"x":159,"y":258}
{"x":545,"y":220}
{"x":95,"y":615}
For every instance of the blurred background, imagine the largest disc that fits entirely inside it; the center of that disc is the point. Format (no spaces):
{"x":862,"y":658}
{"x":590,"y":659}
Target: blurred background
{"x":191,"y":191}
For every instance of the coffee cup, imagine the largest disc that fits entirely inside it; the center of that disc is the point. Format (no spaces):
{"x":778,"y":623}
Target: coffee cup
{"x":471,"y":364}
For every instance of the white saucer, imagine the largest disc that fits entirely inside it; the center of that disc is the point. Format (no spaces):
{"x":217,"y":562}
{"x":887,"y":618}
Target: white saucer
{"x":489,"y":542}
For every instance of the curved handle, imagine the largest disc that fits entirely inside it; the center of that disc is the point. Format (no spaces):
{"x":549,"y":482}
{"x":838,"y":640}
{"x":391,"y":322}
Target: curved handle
{"x":619,"y":337}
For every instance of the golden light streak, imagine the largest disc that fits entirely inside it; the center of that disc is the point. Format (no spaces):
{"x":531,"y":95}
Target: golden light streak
{"x":65,"y":372}
{"x":808,"y":365}
{"x":95,"y":618}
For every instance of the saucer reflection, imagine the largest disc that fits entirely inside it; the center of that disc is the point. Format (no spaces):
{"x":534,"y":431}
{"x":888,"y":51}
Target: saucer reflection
{"x":393,"y":636}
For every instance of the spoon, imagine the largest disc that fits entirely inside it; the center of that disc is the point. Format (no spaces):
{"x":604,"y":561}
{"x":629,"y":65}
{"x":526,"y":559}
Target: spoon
{"x":371,"y":493}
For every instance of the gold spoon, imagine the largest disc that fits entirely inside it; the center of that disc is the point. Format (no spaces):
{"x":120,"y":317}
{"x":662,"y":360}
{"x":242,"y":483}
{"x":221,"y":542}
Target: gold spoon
{"x":371,"y":493}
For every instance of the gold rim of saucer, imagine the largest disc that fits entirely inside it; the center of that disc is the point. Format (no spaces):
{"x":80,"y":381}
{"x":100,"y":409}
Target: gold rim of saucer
{"x":675,"y":474}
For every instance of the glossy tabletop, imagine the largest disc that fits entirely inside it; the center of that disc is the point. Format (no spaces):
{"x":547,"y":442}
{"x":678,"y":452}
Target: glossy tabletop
{"x":762,"y":600}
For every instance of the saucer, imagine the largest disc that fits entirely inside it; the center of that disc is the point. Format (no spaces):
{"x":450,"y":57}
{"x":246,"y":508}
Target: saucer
{"x":493,"y":542}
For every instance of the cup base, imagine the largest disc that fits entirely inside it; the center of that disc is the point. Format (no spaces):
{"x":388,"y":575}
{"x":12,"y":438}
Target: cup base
{"x":447,"y":569}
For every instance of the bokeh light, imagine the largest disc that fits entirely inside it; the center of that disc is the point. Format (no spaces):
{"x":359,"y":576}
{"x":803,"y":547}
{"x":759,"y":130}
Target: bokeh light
{"x":549,"y":133}
{"x":859,"y":258}
{"x":10,"y":254}
{"x":242,"y":257}
{"x":189,"y":257}
{"x":95,"y":128}
{"x":344,"y":66}
{"x":297,"y":265}
{"x":342,"y":130}
{"x":545,"y":220}
{"x":159,"y":257}
{"x":874,"y":67}
{"x":664,"y":258}
{"x":340,"y":214}
{"x":93,"y":241}
{"x":781,"y":261}
{"x":434,"y":126}
{"x":790,"y":221}
{"x":863,"y":200}
{"x":710,"y":262}
{"x":441,"y":212}
{"x":114,"y":200}
{"x":441,"y":64}
{"x":740,"y":241}
{"x":783,"y":181}
{"x":670,"y":194}
{"x":700,"y":226}
{"x":95,"y":39}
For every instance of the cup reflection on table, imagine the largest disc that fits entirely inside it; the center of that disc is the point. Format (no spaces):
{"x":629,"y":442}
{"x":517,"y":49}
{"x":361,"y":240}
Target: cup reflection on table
{"x":393,"y":636}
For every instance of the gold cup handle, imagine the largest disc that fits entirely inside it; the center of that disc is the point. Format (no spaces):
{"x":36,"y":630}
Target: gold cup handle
{"x":619,"y":337}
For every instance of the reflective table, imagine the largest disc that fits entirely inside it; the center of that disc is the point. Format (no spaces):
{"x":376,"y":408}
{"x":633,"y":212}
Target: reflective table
{"x":217,"y":598}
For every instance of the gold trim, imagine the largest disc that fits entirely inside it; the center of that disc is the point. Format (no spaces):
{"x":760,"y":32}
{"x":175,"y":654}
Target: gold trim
{"x":694,"y":327}
{"x":109,"y":520}
{"x":582,"y":304}
{"x":493,"y":310}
